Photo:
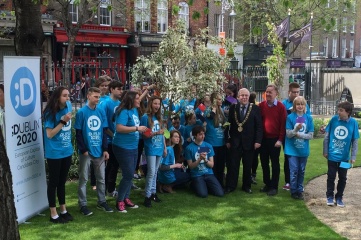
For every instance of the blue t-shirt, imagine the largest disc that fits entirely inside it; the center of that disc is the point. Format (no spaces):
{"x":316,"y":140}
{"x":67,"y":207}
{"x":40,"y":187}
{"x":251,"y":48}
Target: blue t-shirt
{"x":103,"y":98}
{"x":60,"y":145}
{"x":167,"y":177}
{"x":92,"y":123}
{"x":289,"y":106}
{"x":109,"y":106}
{"x":296,"y":146}
{"x":129,"y":118}
{"x":153,"y":146}
{"x":191,"y":153}
{"x":188,"y":133}
{"x":214,"y":134}
{"x":341,"y":133}
{"x":184,"y":106}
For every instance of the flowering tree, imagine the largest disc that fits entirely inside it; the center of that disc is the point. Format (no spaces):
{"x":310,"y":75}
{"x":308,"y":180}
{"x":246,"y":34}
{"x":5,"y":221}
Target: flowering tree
{"x":181,"y":63}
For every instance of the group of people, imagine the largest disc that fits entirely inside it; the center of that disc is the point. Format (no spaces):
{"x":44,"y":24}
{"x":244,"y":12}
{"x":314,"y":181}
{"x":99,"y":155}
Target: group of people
{"x":208,"y":139}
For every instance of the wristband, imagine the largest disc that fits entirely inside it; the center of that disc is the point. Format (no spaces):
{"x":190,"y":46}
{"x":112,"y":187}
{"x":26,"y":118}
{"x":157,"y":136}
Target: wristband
{"x":63,"y":122}
{"x":136,"y":128}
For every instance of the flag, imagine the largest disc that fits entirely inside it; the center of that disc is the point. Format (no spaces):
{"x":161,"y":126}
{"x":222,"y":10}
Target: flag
{"x":301,"y":35}
{"x":281,"y":30}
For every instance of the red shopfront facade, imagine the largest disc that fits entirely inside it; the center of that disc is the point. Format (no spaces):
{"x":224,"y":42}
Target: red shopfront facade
{"x":98,"y":50}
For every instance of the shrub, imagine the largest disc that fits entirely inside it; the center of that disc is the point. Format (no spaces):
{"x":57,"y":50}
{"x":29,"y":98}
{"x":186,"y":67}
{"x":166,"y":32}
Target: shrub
{"x":318,"y":123}
{"x":73,"y":171}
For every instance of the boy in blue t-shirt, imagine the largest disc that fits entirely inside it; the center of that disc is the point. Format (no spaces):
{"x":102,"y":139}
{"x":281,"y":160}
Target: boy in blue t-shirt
{"x":90,"y":126}
{"x":199,"y":156}
{"x":109,"y":106}
{"x":341,"y":135}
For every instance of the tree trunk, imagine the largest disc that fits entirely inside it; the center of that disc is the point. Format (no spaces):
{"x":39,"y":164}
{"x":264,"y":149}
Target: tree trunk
{"x":29,"y":36}
{"x":68,"y":60}
{"x":8,"y":223}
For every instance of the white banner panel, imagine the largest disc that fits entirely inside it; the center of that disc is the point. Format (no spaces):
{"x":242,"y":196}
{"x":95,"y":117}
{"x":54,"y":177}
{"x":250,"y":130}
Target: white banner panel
{"x":24,"y":140}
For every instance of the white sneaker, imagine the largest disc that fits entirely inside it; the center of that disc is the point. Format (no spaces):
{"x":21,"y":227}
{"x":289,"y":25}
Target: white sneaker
{"x":113,"y":194}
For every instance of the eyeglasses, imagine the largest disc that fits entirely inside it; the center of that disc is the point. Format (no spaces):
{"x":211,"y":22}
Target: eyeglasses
{"x":243,"y":95}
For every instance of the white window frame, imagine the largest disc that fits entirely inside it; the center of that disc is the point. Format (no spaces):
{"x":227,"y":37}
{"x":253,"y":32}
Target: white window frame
{"x":73,"y":12}
{"x":217,"y":24}
{"x":183,"y":13}
{"x":162,"y":16}
{"x":334,"y":47}
{"x":352,"y":28}
{"x":231,"y":27}
{"x":142,"y":15}
{"x":336,"y":26}
{"x":352,"y":47}
{"x":344,"y":24}
{"x":325,"y":47}
{"x":107,"y":16}
{"x":343,"y":48}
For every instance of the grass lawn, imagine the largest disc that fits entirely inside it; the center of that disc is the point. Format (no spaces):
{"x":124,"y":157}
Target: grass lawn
{"x":184,"y":216}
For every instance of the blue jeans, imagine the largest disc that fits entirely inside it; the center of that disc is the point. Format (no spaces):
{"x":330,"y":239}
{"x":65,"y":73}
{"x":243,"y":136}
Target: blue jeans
{"x":99,"y":171}
{"x":202,"y":184}
{"x":151,"y":179}
{"x":127,"y":159}
{"x":181,"y":177}
{"x":297,"y":173}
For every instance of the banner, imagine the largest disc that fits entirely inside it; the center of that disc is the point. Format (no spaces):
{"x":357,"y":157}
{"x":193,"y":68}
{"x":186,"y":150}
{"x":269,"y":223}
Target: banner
{"x":301,"y":35}
{"x":24,"y":139}
{"x":282,"y":30}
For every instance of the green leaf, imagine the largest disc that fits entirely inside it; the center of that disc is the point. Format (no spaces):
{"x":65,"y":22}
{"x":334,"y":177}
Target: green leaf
{"x":196,"y":15}
{"x":190,"y":2}
{"x":206,"y":10}
{"x":175,"y":9}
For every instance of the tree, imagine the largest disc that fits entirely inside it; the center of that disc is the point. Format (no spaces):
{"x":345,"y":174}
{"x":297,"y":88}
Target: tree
{"x":86,"y":10}
{"x":29,"y":36}
{"x":180,"y":63}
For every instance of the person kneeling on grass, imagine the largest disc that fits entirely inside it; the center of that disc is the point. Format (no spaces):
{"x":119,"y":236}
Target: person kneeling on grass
{"x":199,"y":156}
{"x":341,"y":136}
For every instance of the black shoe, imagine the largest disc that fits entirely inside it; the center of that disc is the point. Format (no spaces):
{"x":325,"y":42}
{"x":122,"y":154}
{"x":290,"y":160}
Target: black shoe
{"x":247,"y":190}
{"x":85,"y":211}
{"x":294,"y":196}
{"x":228,"y":190}
{"x":300,"y":196}
{"x":272,"y":192}
{"x":58,"y":220}
{"x":265,"y":189}
{"x":155,"y":198}
{"x":148,"y":202}
{"x":66,"y":216}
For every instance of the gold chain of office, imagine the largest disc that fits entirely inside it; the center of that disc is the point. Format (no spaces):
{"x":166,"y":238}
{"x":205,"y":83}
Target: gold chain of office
{"x":240,"y":125}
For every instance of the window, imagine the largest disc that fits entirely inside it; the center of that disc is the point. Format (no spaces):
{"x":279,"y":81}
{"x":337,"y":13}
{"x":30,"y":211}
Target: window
{"x":231,"y":27}
{"x":184,"y":13}
{"x":344,"y":24}
{"x":73,"y":12}
{"x":325,"y":47}
{"x":343,"y":48}
{"x":328,"y":4}
{"x":352,"y":47}
{"x":217,"y":24}
{"x":334,"y":47}
{"x":162,"y":17}
{"x":335,"y":28}
{"x":104,"y":13}
{"x":352,"y":28}
{"x":142,"y":15}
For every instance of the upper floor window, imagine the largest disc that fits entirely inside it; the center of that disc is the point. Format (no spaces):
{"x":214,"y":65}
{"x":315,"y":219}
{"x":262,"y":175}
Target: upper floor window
{"x":73,"y":12}
{"x":162,"y":17}
{"x":231,"y":27}
{"x":184,"y":13}
{"x":352,"y":48}
{"x":142,"y":15}
{"x":217,"y":24}
{"x":344,"y":23}
{"x":104,"y":13}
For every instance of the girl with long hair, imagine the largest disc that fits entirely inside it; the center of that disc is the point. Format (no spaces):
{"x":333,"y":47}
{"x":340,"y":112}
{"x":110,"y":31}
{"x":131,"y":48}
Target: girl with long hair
{"x":172,"y":171}
{"x":125,"y":145}
{"x":215,"y":135}
{"x":58,"y":150}
{"x":154,"y":146}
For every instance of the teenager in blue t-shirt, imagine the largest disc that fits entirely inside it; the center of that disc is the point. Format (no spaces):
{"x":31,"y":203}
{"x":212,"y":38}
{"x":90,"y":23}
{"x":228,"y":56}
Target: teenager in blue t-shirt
{"x":125,"y":145}
{"x":341,"y":137}
{"x":58,"y":150}
{"x":191,"y":122}
{"x":90,"y":126}
{"x":299,"y":130}
{"x":154,"y":147}
{"x":186,"y":105}
{"x":215,"y":135}
{"x":199,"y":156}
{"x":172,"y":171}
{"x":109,"y":106}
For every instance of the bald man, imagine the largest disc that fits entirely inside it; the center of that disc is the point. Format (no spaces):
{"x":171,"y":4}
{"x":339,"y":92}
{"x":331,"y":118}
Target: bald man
{"x":244,"y":136}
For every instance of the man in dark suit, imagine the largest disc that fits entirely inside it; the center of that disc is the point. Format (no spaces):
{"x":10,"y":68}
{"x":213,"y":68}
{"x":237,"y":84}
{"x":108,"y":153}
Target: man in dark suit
{"x":243,"y":137}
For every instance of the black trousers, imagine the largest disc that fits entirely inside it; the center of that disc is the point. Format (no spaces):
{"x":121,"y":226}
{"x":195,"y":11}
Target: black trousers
{"x":219,"y":163}
{"x":233,"y":164}
{"x":286,"y":165}
{"x":333,"y":168}
{"x":255,"y":162}
{"x":140,"y":151}
{"x":58,"y":174}
{"x":270,"y":152}
{"x":111,"y":170}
